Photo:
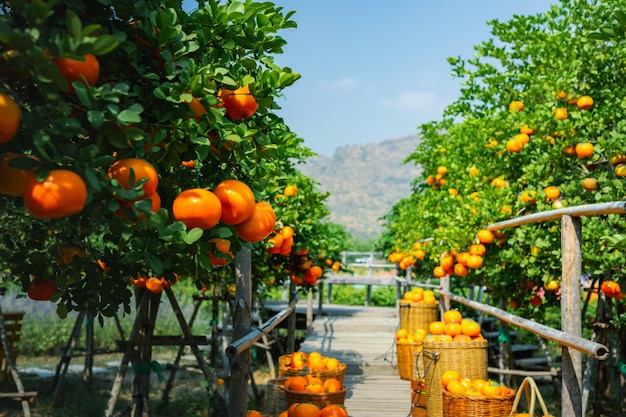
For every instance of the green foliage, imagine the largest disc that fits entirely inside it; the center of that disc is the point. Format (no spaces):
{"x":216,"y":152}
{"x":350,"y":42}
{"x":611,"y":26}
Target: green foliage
{"x":531,"y":59}
{"x":154,"y":59}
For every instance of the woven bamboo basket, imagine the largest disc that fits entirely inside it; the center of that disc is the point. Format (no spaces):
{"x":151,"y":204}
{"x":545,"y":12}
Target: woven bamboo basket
{"x":406,"y":354}
{"x":455,"y":405}
{"x":321,"y":400}
{"x":469,"y":359}
{"x":418,"y":398}
{"x":417,"y":315}
{"x":275,"y":397}
{"x":284,"y":369}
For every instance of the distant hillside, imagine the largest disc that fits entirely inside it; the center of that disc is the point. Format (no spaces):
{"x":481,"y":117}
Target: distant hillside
{"x":365,"y":181}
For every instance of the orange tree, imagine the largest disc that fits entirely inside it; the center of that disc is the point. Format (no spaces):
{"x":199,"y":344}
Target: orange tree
{"x":304,"y":244}
{"x":119,"y":121}
{"x":539,"y":107}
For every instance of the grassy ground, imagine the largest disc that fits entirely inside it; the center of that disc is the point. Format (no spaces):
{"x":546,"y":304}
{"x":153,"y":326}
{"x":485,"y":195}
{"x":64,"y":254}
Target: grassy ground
{"x":189,"y":396}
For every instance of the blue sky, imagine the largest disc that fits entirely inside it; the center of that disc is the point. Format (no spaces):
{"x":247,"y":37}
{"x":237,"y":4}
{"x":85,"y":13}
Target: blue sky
{"x":375,"y":70}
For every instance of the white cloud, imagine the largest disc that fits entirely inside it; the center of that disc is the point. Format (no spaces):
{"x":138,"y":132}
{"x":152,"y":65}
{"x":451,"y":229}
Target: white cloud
{"x":411,"y":100}
{"x":341,"y":84}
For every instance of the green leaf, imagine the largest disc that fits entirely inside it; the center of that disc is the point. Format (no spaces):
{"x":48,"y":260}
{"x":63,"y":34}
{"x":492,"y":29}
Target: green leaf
{"x":96,"y":118}
{"x":92,"y":180}
{"x":128,"y":116}
{"x":154,"y":263}
{"x":132,"y":257}
{"x":74,"y":26}
{"x":62,"y":311}
{"x":104,"y":44}
{"x":621,"y":18}
{"x":193,"y":235}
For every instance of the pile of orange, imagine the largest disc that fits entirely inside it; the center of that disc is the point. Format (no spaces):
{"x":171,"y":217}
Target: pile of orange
{"x":454,"y":328}
{"x":417,"y":295}
{"x":313,"y":361}
{"x":454,"y":383}
{"x":403,"y":336}
{"x":280,"y":241}
{"x":310,"y":383}
{"x":312,"y":410}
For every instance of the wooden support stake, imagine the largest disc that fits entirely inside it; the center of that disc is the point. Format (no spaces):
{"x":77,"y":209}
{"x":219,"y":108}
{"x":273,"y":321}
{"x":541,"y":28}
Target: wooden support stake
{"x":571,"y":395}
{"x":242,"y":323}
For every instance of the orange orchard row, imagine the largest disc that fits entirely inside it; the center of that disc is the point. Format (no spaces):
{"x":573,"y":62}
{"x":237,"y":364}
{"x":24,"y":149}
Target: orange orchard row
{"x":460,"y":263}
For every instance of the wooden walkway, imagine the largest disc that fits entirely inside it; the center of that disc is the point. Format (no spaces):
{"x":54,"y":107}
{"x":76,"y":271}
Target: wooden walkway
{"x":363,"y":339}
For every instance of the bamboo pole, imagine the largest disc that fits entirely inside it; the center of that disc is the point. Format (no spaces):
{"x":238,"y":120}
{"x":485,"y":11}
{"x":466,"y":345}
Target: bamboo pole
{"x":578,"y":343}
{"x":614,"y":207}
{"x":238,"y":346}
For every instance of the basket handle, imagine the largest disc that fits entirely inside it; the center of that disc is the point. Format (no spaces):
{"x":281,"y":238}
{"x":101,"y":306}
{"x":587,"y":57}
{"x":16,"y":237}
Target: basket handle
{"x":529,"y":387}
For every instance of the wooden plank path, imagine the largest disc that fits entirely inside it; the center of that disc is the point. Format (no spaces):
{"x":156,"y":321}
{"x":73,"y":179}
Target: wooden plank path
{"x":362,"y":338}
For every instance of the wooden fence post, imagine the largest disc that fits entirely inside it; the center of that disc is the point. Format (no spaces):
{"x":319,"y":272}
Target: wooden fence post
{"x":572,"y":369}
{"x":242,"y":323}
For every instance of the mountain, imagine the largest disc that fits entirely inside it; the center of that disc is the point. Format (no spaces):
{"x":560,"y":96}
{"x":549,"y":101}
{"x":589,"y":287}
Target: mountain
{"x":365,"y":181}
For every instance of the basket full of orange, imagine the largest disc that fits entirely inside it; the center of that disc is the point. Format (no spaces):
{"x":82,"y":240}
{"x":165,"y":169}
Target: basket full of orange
{"x":313,"y":363}
{"x":417,"y":309}
{"x":311,"y":389}
{"x":455,"y":343}
{"x":474,"y":397}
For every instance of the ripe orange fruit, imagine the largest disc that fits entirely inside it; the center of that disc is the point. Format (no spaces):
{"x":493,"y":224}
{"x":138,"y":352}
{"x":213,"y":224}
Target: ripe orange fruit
{"x":439,"y":272}
{"x":254,"y":413}
{"x":315,"y":387}
{"x":296,"y":383}
{"x":498,"y":183}
{"x":526,"y":130}
{"x":239,"y":104}
{"x":154,"y":285}
{"x":237,"y":200}
{"x":449,"y":376}
{"x":452,"y":329}
{"x":197,"y":108}
{"x":516,"y":106}
{"x":474,"y":261}
{"x":197,"y":207}
{"x":61,"y":194}
{"x":456,"y":387}
{"x":588,"y":184}
{"x":332,"y":364}
{"x":305,"y":410}
{"x":470,"y":327}
{"x":461,"y":270}
{"x":477,"y":249}
{"x":14,"y":179}
{"x":222,"y":246}
{"x":442,"y":170}
{"x":259,"y":225}
{"x":452,"y":316}
{"x":128,"y":172}
{"x":334,"y":410}
{"x":485,"y":236}
{"x":513,"y":145}
{"x":10,"y":117}
{"x":610,"y":288}
{"x":560,"y":113}
{"x":584,"y":102}
{"x":436,"y":327}
{"x":332,"y":385}
{"x":188,"y":164}
{"x":74,"y":70}
{"x":584,"y":149}
{"x":552,"y":192}
{"x":491,"y":389}
{"x":290,"y":190}
{"x":42,"y":290}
